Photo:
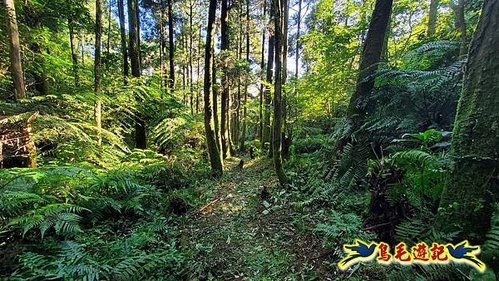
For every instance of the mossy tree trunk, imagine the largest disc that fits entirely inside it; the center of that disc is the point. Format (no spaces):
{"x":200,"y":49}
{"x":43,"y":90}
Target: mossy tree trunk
{"x":466,"y":203}
{"x":98,"y":70}
{"x":224,"y":110}
{"x":134,"y":52}
{"x":361,"y":104}
{"x":432,"y":17}
{"x":277,"y":124}
{"x":460,"y":23}
{"x":213,"y":151}
{"x":16,"y":68}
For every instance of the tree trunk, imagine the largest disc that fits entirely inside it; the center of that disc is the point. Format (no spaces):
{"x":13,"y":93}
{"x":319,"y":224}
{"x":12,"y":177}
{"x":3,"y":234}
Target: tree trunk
{"x":134,"y":52}
{"x":121,"y":15}
{"x":41,"y":80}
{"x":215,"y":160}
{"x":262,"y":66}
{"x":214,"y":92}
{"x":460,"y":24}
{"x":277,"y":124}
{"x":237,"y":98}
{"x":98,"y":70}
{"x":224,"y":120}
{"x":108,"y":45}
{"x":245,"y":100}
{"x":466,"y":203}
{"x":432,"y":18}
{"x":285,"y":140}
{"x":16,"y":68}
{"x":191,"y":15}
{"x":82,"y":33}
{"x":171,"y":49}
{"x":268,"y":79}
{"x":74,"y":53}
{"x":297,"y":54}
{"x":361,"y":104}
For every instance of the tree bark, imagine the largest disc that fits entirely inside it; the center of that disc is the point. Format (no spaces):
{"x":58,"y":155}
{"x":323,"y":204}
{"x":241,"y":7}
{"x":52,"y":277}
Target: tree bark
{"x":466,"y":203}
{"x":224,"y":118}
{"x":134,"y":52}
{"x":297,"y":54}
{"x":191,"y":15}
{"x":460,"y":24}
{"x":171,"y":49}
{"x":214,"y":92}
{"x":74,"y":53}
{"x":162,"y":40}
{"x":245,"y":100}
{"x":277,"y":124}
{"x":41,"y":80}
{"x":98,"y":70}
{"x":262,"y":66}
{"x":16,"y":68}
{"x":124,"y":52}
{"x":108,"y":45}
{"x":432,"y":17}
{"x":214,"y":154}
{"x":361,"y":104}
{"x":285,"y":140}
{"x":268,"y":79}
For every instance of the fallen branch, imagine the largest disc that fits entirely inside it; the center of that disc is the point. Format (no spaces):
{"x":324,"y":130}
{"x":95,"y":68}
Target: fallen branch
{"x":208,"y":205}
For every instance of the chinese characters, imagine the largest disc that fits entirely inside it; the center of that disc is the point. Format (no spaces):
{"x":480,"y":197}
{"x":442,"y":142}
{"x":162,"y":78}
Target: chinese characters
{"x":420,"y":253}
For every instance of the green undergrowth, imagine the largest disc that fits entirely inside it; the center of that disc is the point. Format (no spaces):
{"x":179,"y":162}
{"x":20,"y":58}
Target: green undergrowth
{"x":82,"y":222}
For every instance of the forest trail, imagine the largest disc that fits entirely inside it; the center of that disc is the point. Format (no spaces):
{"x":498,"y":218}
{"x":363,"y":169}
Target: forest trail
{"x":239,"y":236}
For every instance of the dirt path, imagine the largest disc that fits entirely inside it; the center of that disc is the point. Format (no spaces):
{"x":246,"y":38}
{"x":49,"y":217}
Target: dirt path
{"x":239,"y":236}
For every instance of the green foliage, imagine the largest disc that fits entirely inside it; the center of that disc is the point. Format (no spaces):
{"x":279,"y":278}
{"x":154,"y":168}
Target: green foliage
{"x":92,"y":224}
{"x":491,"y":245}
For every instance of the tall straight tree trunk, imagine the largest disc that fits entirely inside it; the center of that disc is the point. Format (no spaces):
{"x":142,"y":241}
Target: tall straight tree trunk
{"x":137,"y":24}
{"x":460,"y":23}
{"x":83,"y":42}
{"x":16,"y":68}
{"x":237,"y":98}
{"x":164,"y":45}
{"x":466,"y":203}
{"x":124,"y":52}
{"x":285,"y":140}
{"x":161,"y":48}
{"x":262,"y":65}
{"x":171,"y":49}
{"x":224,"y":118}
{"x":108,"y":51}
{"x":298,"y":28}
{"x":214,"y":91}
{"x":432,"y":18}
{"x":360,"y":103}
{"x":134,"y":52}
{"x":214,"y":154}
{"x":277,"y":124}
{"x":74,"y":51}
{"x":245,"y":100}
{"x":41,"y":80}
{"x":191,"y":30}
{"x":268,"y":79}
{"x":98,"y":70}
